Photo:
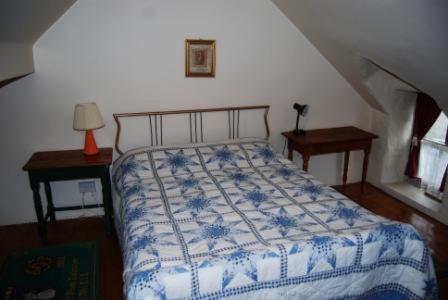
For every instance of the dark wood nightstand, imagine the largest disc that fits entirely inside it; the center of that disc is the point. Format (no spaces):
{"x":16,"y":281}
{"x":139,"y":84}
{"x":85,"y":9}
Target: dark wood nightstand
{"x":68,"y":165}
{"x":332,"y":140}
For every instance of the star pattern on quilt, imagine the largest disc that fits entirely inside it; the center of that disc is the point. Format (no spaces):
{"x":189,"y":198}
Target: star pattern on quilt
{"x":430,"y":287}
{"x":147,"y":241}
{"x":239,"y":262}
{"x":311,"y":190}
{"x":266,"y":153}
{"x":324,"y":247}
{"x":392,"y":236}
{"x":284,"y":172}
{"x":214,"y":231}
{"x":243,"y":262}
{"x":131,"y":167}
{"x":142,"y":211}
{"x":350,"y":215}
{"x":284,"y":222}
{"x":137,"y":189}
{"x":198,"y":222}
{"x":135,"y":214}
{"x":146,"y":279}
{"x":236,"y":176}
{"x":176,"y":161}
{"x":199,"y":203}
{"x":187,"y":183}
{"x":224,"y":156}
{"x":255,"y":196}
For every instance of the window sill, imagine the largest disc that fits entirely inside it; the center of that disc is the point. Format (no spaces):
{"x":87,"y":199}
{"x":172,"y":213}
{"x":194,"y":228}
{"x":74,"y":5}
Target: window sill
{"x":415,"y":197}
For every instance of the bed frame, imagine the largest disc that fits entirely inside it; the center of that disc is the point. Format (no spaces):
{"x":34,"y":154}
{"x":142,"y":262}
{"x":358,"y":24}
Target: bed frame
{"x":195,"y":122}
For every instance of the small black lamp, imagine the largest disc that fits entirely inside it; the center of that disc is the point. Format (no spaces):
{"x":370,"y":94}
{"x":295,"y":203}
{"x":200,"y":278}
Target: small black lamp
{"x":301,"y":110}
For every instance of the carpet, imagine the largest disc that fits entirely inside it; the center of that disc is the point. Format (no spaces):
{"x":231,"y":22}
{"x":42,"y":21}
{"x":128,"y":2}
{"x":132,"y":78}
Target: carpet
{"x":67,"y":271}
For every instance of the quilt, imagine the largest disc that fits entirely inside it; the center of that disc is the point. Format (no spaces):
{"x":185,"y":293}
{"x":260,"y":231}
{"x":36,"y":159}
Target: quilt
{"x":237,"y":220}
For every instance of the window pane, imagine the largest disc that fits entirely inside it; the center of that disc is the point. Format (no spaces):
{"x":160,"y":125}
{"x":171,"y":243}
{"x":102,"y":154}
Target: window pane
{"x":437,"y":132}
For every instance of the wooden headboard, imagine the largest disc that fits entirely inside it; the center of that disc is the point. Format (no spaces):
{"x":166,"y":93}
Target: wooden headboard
{"x":195,"y":122}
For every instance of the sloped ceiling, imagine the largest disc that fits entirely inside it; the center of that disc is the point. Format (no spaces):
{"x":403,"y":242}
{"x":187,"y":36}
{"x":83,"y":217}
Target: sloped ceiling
{"x":408,"y":38}
{"x":22,"y":22}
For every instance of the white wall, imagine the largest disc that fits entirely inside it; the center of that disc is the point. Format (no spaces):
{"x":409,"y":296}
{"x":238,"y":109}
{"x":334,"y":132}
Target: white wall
{"x":394,"y":127}
{"x":129,"y":56}
{"x":15,"y":60}
{"x":405,"y":37}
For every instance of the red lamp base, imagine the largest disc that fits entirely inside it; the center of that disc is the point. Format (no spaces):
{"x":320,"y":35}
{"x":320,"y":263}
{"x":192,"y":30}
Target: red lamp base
{"x":90,"y":147}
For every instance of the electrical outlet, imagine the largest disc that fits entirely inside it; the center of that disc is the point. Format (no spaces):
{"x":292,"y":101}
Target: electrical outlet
{"x":87,"y":187}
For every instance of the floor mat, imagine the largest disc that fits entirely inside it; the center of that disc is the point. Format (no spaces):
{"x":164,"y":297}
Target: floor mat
{"x":67,"y":271}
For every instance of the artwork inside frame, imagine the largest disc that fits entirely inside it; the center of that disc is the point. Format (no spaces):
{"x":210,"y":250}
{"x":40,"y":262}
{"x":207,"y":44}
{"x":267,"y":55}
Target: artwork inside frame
{"x":200,"y":58}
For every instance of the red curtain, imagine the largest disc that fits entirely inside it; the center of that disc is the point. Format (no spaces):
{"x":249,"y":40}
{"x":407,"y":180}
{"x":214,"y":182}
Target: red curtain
{"x":442,"y":184}
{"x":426,"y":113}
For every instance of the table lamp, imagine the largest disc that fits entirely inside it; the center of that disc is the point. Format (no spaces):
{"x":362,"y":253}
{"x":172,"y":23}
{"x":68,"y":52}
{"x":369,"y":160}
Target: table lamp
{"x":302,"y":110}
{"x":88,"y":117}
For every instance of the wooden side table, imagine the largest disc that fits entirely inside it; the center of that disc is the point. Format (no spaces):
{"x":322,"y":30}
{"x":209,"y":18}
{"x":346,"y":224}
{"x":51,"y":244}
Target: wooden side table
{"x":68,"y":165}
{"x":332,"y":140}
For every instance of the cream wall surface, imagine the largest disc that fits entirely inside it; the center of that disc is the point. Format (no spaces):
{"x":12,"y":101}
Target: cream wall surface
{"x":129,"y":56}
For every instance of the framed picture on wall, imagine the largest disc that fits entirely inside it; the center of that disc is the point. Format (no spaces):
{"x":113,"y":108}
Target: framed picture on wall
{"x":200,"y":58}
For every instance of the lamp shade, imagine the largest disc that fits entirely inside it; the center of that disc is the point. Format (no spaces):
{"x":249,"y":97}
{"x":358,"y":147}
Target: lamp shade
{"x":87,"y":116}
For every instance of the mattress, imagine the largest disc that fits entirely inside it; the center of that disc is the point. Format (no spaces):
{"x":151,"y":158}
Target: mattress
{"x":236,"y":219}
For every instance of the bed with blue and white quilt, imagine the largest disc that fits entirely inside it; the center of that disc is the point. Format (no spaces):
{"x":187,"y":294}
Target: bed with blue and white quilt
{"x":236,"y":219}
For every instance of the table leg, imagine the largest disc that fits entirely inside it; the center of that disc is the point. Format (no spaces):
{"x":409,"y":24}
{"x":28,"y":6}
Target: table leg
{"x":50,"y":205}
{"x":306,"y":159}
{"x":365,"y":166}
{"x":41,"y":226}
{"x":346,"y":160}
{"x":290,"y":153}
{"x":107,"y":199}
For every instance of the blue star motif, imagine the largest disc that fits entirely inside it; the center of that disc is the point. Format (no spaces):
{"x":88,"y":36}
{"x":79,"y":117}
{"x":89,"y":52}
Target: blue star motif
{"x":224,"y":156}
{"x":237,"y":263}
{"x":142,"y":212}
{"x":284,"y":172}
{"x":235,"y":176}
{"x":257,"y":197}
{"x":349,"y":214}
{"x":134,"y":190}
{"x":176,"y":161}
{"x":197,"y":204}
{"x":146,"y":242}
{"x":310,"y":189}
{"x":430,"y":287}
{"x":131,"y":167}
{"x":324,"y":247}
{"x":265,"y":152}
{"x":243,"y":262}
{"x":135,"y":214}
{"x":284,"y":222}
{"x":215,"y":231}
{"x":238,"y":177}
{"x":187,"y":183}
{"x":392,"y":236}
{"x":137,"y":189}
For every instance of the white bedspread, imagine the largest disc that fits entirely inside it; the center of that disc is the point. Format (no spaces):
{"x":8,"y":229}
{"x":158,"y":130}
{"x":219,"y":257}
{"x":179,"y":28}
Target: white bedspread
{"x":237,"y":220}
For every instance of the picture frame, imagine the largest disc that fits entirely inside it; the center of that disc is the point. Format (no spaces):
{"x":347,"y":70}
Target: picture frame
{"x":200,"y":58}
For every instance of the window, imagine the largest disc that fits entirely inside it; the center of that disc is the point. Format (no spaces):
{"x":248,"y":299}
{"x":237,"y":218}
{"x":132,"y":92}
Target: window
{"x":434,"y":157}
{"x":437,"y":133}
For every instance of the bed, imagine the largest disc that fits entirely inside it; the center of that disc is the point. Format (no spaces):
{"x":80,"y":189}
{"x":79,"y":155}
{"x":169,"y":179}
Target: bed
{"x":235,"y":219}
